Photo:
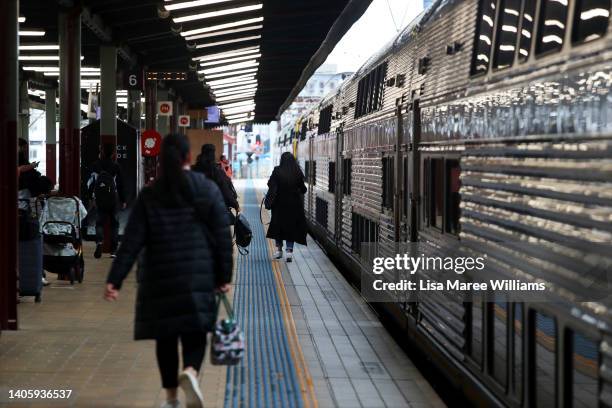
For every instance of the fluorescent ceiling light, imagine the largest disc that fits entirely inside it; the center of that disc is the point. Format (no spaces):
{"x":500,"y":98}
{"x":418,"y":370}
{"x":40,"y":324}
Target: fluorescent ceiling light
{"x":241,"y":89}
{"x":21,"y":19}
{"x":223,"y":32}
{"x":221,"y":26}
{"x":217,"y":13}
{"x":234,"y":84}
{"x":232,"y":122}
{"x":236,"y":97}
{"x":41,"y":58}
{"x":235,"y":104}
{"x":83,"y":74}
{"x":228,"y":54}
{"x":40,"y":47}
{"x":188,"y":4}
{"x":229,"y":60}
{"x":241,"y":109}
{"x":49,"y":69}
{"x":230,"y":67}
{"x":237,"y":116}
{"x":31,"y":33}
{"x":232,"y":79}
{"x":232,"y":73}
{"x":235,"y":40}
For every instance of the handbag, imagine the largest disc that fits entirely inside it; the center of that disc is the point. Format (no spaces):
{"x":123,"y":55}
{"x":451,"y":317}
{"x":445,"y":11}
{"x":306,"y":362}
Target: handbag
{"x":270,"y":196}
{"x":227,"y":346}
{"x":242,"y":233}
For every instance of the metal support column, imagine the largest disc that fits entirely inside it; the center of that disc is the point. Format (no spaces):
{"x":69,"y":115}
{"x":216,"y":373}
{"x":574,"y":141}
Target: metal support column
{"x":70,"y":101}
{"x":163,"y":122}
{"x":151,"y":104}
{"x":51,"y":134}
{"x":108,"y":94}
{"x":134,"y":108}
{"x":23,"y":131}
{"x":9,"y":13}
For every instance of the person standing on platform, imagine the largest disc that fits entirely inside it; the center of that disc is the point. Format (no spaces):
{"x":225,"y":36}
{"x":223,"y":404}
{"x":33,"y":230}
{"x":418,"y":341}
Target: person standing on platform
{"x":207,"y":165}
{"x":288,"y":220}
{"x":182,"y":266}
{"x":226,"y":166}
{"x":105,"y":185}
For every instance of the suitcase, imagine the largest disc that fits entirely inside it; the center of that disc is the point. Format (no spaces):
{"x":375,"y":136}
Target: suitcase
{"x":31,"y":268}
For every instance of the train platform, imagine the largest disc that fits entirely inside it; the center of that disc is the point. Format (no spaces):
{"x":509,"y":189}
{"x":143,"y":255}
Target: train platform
{"x":311,"y":340}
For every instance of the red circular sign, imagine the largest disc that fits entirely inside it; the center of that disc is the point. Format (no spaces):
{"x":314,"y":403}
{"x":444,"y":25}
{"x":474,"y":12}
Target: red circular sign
{"x":150,"y":143}
{"x":164,"y":108}
{"x":184,"y":120}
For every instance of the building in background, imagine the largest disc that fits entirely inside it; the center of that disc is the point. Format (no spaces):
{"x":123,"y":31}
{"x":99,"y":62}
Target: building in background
{"x":325,"y":80}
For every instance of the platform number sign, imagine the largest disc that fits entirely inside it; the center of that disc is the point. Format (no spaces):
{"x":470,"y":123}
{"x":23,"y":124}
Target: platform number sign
{"x":184,"y":121}
{"x":164,"y":108}
{"x":134,"y":80}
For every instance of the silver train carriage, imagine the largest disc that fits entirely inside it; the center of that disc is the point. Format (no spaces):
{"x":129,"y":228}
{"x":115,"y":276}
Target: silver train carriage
{"x":484,"y":123}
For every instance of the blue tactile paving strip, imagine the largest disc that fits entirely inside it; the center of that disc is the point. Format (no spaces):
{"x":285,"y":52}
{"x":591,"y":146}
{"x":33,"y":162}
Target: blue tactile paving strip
{"x":267,"y":376}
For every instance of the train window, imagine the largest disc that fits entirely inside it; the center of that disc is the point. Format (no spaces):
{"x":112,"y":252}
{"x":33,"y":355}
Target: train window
{"x":498,"y":341}
{"x":321,"y":211}
{"x":507,"y":30}
{"x":484,"y":37}
{"x":553,"y":20}
{"x":529,"y":9}
{"x":476,"y":332}
{"x":307,"y":171}
{"x":363,"y":230}
{"x":584,"y":361}
{"x":387,"y":182}
{"x":517,"y":372}
{"x":591,"y":19}
{"x":453,"y":184}
{"x":313,"y":174}
{"x":347,"y":170}
{"x":325,"y":117}
{"x":436,"y":192}
{"x":331,"y":177}
{"x":543,"y":370}
{"x":406,"y":192}
{"x":303,"y":130}
{"x":370,"y":91}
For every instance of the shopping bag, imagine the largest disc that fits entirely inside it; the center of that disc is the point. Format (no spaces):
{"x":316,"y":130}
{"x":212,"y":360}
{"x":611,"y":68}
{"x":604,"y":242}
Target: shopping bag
{"x":227,"y":346}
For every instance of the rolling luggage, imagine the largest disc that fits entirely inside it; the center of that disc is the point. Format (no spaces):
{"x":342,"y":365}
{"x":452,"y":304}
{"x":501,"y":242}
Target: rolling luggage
{"x":30,"y":256}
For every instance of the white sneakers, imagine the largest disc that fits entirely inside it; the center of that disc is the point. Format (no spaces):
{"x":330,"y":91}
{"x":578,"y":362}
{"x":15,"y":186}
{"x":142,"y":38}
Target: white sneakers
{"x":289,"y":255}
{"x":278,"y":254}
{"x":189,"y":384}
{"x":171,"y":404}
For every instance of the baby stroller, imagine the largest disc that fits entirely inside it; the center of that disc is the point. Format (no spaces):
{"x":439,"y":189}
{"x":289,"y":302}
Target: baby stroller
{"x":60,"y":220}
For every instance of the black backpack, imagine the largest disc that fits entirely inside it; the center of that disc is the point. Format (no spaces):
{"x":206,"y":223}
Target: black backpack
{"x":242,"y":233}
{"x":105,"y":190}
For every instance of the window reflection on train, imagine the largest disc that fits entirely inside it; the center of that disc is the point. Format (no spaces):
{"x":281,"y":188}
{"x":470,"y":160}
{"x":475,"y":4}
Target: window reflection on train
{"x":485,"y":122}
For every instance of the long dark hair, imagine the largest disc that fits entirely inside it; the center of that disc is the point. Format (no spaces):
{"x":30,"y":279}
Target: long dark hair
{"x":172,"y":187}
{"x":289,"y":170}
{"x":206,"y":161}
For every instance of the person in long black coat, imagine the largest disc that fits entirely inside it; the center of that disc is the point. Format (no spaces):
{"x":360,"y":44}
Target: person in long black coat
{"x":181,"y":226}
{"x":288,"y":220}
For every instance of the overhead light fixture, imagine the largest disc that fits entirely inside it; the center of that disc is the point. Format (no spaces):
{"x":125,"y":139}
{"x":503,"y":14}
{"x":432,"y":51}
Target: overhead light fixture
{"x":241,"y":109}
{"x":195,"y":3}
{"x":240,"y":89}
{"x":83,"y":74}
{"x":41,"y":58}
{"x":232,"y":73}
{"x":230,"y":67}
{"x":21,"y":19}
{"x":232,"y":79}
{"x":233,"y":122}
{"x":228,"y":54}
{"x":218,"y":13}
{"x":41,"y":47}
{"x":235,"y":40}
{"x":223,"y":32}
{"x":234,"y":84}
{"x":237,"y":116}
{"x":45,"y":69}
{"x":229,"y":60}
{"x":221,"y":26}
{"x":236,"y":97}
{"x":236,"y":104}
{"x":31,"y":33}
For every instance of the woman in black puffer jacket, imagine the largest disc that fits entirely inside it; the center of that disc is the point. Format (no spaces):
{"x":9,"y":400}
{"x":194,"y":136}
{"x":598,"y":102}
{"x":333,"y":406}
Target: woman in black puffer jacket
{"x":181,"y":223}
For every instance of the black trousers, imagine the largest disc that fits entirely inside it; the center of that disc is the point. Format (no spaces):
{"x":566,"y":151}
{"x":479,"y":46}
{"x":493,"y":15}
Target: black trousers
{"x":166,"y":349}
{"x":103,"y":215}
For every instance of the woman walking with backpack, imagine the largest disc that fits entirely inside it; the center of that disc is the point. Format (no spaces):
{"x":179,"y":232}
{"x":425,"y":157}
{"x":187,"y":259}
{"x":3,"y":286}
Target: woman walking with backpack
{"x":181,"y":223}
{"x":288,"y":220}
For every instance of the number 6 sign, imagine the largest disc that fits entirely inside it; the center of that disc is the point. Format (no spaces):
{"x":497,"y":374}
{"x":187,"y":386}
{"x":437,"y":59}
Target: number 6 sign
{"x":134,"y":80}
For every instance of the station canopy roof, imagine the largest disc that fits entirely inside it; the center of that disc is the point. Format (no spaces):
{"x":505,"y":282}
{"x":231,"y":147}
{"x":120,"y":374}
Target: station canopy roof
{"x":248,"y":56}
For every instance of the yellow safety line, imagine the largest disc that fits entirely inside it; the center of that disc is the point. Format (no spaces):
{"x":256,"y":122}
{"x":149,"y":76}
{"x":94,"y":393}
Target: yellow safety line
{"x":304,"y":377}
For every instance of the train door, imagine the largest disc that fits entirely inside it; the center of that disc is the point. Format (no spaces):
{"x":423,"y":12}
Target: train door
{"x":338,"y":186}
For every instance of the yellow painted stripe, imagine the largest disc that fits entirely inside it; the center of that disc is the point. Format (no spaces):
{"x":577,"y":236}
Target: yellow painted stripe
{"x":301,"y":367}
